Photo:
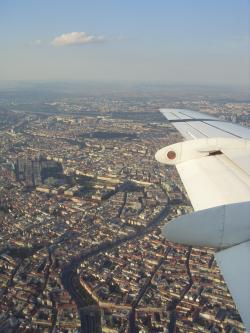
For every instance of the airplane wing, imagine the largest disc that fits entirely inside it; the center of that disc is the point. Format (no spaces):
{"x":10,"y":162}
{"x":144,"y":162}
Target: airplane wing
{"x":214,"y":166}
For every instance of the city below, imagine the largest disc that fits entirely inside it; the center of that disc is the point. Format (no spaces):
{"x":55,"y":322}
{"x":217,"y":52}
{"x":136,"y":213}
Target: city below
{"x":82,"y":204}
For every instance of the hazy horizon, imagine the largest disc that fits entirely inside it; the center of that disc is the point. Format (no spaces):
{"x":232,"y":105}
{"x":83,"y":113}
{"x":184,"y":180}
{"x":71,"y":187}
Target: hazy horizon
{"x":178,"y":42}
{"x":184,"y":42}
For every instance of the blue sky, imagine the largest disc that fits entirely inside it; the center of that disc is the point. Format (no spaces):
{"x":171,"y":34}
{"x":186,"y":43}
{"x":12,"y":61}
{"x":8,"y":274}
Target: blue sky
{"x":185,"y":41}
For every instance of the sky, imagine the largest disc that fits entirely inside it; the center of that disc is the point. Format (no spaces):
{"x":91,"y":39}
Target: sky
{"x":163,"y":41}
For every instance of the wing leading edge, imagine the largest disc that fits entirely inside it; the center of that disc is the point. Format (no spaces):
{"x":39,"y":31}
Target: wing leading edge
{"x":214,"y":167}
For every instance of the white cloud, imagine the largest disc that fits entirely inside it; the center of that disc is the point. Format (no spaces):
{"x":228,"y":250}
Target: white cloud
{"x":76,"y":38}
{"x":37,"y":42}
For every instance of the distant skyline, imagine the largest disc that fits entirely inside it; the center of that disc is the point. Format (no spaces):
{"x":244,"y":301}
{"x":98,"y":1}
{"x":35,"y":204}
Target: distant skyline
{"x":190,"y":42}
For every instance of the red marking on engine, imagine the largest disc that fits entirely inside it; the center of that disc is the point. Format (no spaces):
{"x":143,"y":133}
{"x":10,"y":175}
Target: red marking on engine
{"x":171,"y":155}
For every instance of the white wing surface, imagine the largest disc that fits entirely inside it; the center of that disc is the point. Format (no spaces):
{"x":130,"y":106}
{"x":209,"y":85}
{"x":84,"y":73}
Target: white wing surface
{"x":194,"y":125}
{"x":234,"y":262}
{"x":214,"y":165}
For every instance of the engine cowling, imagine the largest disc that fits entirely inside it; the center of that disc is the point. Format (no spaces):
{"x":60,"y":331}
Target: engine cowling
{"x":218,"y":227}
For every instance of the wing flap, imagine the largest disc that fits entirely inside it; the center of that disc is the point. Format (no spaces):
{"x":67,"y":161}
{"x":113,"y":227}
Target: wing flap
{"x":209,"y":131}
{"x":184,"y":114}
{"x":203,"y":125}
{"x":234,"y":263}
{"x":234,"y":129}
{"x":214,"y":181}
{"x":188,"y":131}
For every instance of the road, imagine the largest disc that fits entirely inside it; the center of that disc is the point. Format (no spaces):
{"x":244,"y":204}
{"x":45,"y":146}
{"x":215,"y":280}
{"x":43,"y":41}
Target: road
{"x":172,"y":306}
{"x":71,"y":280}
{"x":132,"y":315}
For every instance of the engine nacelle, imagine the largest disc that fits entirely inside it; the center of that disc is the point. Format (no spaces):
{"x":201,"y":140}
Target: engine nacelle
{"x":194,"y":149}
{"x":218,"y":227}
